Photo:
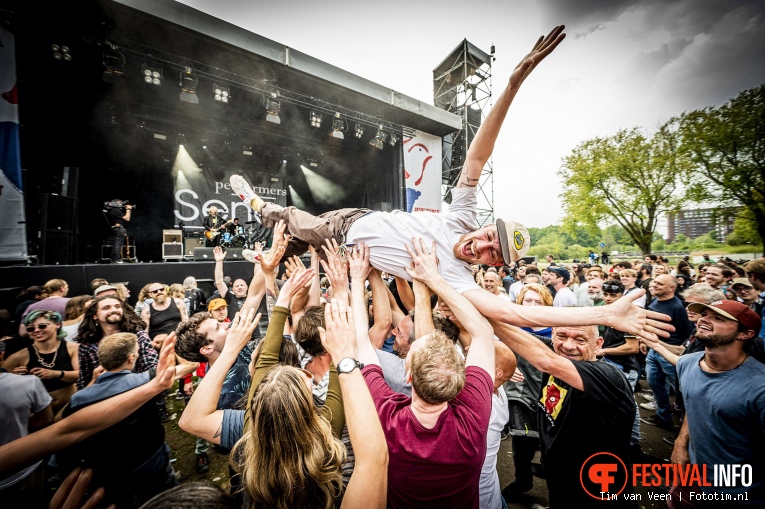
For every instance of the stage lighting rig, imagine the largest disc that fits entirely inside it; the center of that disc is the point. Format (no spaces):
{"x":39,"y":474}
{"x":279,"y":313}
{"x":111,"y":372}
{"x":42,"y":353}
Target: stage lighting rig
{"x":338,"y":126}
{"x":315,"y":119}
{"x":272,"y":109}
{"x":151,"y":74}
{"x":359,"y":131}
{"x":393,"y":139}
{"x":114,"y":63}
{"x":61,"y":52}
{"x":222,"y":93}
{"x":379,"y":140}
{"x":188,"y":83}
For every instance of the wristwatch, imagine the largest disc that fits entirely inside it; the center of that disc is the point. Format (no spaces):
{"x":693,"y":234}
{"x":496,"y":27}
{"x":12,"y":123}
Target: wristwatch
{"x":347,"y":365}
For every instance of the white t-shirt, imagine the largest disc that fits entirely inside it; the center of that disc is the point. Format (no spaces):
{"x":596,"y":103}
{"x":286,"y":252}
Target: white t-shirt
{"x":489,"y":494}
{"x":564,"y":298}
{"x":515,"y":288}
{"x":386,"y":234}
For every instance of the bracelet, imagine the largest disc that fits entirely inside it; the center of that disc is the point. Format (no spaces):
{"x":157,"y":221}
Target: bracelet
{"x":62,"y":374}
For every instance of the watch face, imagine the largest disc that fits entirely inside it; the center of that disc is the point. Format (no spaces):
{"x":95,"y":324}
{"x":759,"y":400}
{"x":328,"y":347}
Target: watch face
{"x":346,"y":365}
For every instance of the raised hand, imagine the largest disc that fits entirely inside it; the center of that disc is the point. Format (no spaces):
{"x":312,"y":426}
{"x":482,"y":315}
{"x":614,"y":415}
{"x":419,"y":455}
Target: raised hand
{"x":424,"y":261}
{"x":543,"y":47}
{"x":293,"y":265}
{"x":339,"y":336}
{"x":270,"y":259}
{"x":280,"y":239}
{"x":240,"y":332}
{"x":358,"y":261}
{"x":219,"y":254}
{"x":648,"y":325}
{"x":337,"y":273}
{"x":294,"y":284}
{"x":166,"y":366}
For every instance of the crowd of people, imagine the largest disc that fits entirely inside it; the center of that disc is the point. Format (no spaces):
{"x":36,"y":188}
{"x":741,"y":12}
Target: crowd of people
{"x":391,"y":382}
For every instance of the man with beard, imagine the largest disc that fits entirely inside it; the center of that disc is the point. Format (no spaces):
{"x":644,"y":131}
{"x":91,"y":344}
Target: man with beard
{"x":105,"y":316}
{"x":163,"y":315}
{"x":724,"y":403}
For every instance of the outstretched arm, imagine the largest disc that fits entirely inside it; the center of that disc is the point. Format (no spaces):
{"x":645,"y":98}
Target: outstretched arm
{"x":219,"y":255}
{"x":483,"y":144}
{"x":359,"y":269}
{"x":380,"y":330}
{"x":423,"y":313}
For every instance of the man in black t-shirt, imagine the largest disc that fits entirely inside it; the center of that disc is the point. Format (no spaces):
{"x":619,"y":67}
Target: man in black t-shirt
{"x":586,"y":411}
{"x":117,"y":213}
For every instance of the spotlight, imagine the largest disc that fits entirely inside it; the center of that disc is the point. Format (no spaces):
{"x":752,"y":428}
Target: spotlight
{"x":379,"y":139}
{"x":61,"y":52}
{"x":222,"y":93}
{"x":180,"y":140}
{"x":246,"y":150}
{"x":359,"y":131}
{"x":393,"y":139}
{"x":152,"y":75}
{"x":272,"y":108}
{"x":315,"y":119}
{"x":188,"y":83}
{"x":114,"y":62}
{"x":338,"y":126}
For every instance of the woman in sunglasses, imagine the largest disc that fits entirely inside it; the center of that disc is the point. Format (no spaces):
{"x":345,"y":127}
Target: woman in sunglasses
{"x":50,"y":358}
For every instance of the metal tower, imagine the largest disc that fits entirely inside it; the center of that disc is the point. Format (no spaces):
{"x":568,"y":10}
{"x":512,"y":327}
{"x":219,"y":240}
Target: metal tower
{"x":462,"y":85}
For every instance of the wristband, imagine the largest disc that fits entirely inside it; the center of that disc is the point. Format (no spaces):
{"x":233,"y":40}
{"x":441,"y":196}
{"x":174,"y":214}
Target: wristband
{"x":62,"y":374}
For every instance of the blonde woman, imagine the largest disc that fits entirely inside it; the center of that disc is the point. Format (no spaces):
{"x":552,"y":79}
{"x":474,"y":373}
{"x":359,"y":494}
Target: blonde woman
{"x":628,"y":277}
{"x":143,"y":299}
{"x":177,"y":291}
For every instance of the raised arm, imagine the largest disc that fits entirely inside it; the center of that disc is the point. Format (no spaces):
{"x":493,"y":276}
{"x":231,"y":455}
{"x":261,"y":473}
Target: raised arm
{"x":336,"y":269}
{"x":314,"y":294}
{"x":368,"y":486}
{"x":201,"y":416}
{"x":219,"y":255}
{"x":425,"y":268}
{"x":423,"y":313}
{"x":405,"y":293}
{"x":359,"y":269}
{"x":483,"y":145}
{"x":383,"y":318}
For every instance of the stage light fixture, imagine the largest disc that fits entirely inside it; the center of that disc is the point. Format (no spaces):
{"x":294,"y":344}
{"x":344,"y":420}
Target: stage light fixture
{"x":315,"y":119}
{"x":359,"y":131}
{"x":160,"y":136}
{"x":114,"y":64}
{"x":152,"y":75}
{"x":222,"y":93}
{"x":272,"y":110}
{"x":393,"y":139}
{"x":338,"y":126}
{"x":379,"y":140}
{"x":188,"y":83}
{"x":61,"y":52}
{"x":247,"y":150}
{"x":180,"y":140}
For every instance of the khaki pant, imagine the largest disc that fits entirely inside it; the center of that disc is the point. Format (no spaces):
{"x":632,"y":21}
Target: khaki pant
{"x":309,"y":230}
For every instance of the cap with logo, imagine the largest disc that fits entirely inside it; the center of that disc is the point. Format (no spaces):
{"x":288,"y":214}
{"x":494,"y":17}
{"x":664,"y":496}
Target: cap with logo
{"x":732,"y":310}
{"x":514,"y":240}
{"x":216,"y":304}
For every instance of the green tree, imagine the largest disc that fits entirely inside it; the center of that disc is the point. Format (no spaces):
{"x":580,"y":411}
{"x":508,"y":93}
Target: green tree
{"x":727,"y":147}
{"x":627,"y":178}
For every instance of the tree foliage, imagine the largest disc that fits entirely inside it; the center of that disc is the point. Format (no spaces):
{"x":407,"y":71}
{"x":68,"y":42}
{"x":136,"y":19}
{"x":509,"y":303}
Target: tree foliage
{"x":627,"y":178}
{"x":727,"y":146}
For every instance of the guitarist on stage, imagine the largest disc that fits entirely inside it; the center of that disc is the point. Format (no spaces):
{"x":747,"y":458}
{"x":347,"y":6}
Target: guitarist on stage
{"x":214,"y":225}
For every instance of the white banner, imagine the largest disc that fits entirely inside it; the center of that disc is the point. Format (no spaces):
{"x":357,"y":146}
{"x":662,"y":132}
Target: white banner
{"x":422,"y":168}
{"x":13,"y":236}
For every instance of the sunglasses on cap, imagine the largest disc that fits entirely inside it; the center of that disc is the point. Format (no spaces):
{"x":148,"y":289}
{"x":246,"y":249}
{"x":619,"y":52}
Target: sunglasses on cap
{"x":42,"y":326}
{"x":611,"y":288}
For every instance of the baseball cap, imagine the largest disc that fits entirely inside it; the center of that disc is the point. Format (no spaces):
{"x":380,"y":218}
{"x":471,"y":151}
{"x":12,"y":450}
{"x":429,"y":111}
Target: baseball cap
{"x":514,"y":240}
{"x":742,"y":281}
{"x":732,"y":310}
{"x":565,"y":274}
{"x":216,"y":304}
{"x":101,"y":289}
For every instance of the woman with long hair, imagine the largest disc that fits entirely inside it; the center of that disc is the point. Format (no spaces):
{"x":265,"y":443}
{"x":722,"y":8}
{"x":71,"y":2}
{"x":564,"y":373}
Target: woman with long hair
{"x":50,"y":358}
{"x":75,"y":312}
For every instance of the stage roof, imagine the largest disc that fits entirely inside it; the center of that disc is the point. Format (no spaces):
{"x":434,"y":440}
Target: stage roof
{"x":270,"y":62}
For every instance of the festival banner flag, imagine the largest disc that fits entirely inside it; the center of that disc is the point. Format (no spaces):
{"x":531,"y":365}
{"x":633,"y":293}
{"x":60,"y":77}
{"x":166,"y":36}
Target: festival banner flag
{"x":422,"y":169}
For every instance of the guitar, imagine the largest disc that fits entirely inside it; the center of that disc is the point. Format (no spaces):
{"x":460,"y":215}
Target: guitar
{"x":211,"y":234}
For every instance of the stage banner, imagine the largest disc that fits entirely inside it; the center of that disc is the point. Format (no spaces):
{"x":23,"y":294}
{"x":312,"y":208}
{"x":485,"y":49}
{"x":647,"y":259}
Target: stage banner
{"x":422,"y":169}
{"x":199,"y":188}
{"x":13,"y":235}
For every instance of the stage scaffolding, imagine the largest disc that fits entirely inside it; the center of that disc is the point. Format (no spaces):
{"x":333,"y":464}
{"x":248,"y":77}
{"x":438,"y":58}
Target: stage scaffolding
{"x":462,"y":85}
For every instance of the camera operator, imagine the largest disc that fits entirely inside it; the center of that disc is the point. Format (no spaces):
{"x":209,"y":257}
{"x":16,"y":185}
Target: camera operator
{"x":118,"y":213}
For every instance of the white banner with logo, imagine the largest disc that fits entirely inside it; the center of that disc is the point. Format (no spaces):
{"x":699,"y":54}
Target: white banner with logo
{"x":13,"y":236}
{"x":422,"y":169}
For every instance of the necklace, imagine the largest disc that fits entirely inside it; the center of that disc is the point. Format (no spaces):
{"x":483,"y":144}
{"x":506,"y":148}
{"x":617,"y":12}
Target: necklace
{"x":724,"y":370}
{"x":42,"y":362}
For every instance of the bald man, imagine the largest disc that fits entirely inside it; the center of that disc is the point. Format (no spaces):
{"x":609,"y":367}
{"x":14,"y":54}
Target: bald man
{"x":489,"y":494}
{"x":586,"y":407}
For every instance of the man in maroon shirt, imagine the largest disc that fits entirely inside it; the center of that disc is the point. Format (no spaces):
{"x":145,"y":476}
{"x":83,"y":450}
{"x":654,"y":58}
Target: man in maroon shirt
{"x":437,"y":438}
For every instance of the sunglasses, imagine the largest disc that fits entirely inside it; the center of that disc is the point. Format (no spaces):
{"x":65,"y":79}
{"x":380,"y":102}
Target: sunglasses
{"x":161,"y":290}
{"x":611,"y":288}
{"x":42,"y":326}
